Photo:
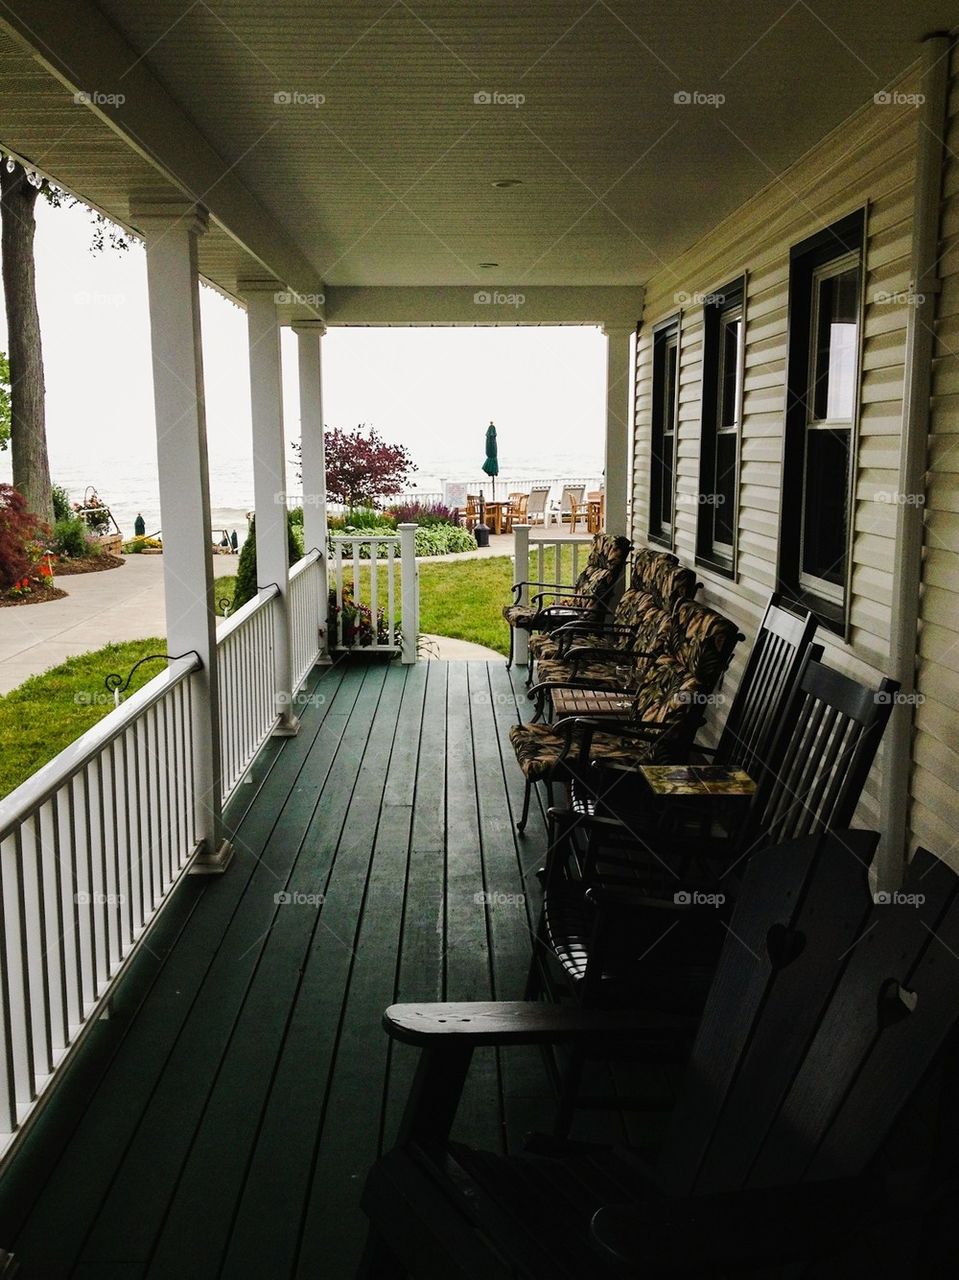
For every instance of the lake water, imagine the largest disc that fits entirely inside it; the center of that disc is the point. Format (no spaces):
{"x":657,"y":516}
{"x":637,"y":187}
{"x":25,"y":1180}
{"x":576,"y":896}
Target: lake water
{"x":130,"y":487}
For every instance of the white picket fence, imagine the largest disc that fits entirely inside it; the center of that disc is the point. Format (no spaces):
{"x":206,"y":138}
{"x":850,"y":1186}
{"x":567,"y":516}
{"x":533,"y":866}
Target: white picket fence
{"x":364,"y":573}
{"x":540,"y":559}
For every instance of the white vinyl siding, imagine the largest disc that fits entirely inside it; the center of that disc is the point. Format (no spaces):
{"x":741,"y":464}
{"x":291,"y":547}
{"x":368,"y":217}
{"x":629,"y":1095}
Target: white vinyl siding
{"x":869,"y":162}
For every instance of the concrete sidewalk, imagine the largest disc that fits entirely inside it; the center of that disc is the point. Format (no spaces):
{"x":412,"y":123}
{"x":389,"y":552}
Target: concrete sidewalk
{"x":127,"y":604}
{"x":99,"y":609}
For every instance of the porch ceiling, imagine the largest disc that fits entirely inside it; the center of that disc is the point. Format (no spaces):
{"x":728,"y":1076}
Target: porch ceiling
{"x":389,"y":181}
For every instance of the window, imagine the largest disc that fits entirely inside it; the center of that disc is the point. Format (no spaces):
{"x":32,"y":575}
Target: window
{"x":825,"y":302}
{"x":719,"y":447}
{"x":662,"y":465}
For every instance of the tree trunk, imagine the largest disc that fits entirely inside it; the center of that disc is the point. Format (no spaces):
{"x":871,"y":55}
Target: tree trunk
{"x":28,"y":435}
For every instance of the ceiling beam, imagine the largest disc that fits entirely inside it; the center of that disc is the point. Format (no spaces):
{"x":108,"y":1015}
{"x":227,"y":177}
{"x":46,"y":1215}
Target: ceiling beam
{"x":613,"y":306}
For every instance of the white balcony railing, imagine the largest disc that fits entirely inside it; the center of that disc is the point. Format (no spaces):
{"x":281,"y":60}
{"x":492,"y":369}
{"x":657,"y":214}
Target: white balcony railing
{"x":245,"y":661}
{"x":90,"y":847}
{"x":544,"y":559}
{"x":367,"y":590}
{"x":307,"y":608}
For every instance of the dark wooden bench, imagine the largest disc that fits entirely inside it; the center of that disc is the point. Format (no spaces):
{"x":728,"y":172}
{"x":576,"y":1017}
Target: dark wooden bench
{"x":826,"y":1012}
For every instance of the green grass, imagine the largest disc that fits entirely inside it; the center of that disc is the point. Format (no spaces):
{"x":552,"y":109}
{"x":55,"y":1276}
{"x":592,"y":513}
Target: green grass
{"x":223,"y":589}
{"x":49,"y":711}
{"x":463,"y":599}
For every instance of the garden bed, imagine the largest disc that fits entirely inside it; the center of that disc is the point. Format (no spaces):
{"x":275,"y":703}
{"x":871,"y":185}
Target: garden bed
{"x":86,"y":564}
{"x":36,"y":595}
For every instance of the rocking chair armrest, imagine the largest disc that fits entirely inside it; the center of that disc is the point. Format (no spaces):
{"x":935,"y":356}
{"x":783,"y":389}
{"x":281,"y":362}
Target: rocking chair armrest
{"x":571,"y":599}
{"x":471,"y":1024}
{"x":762,"y":1225}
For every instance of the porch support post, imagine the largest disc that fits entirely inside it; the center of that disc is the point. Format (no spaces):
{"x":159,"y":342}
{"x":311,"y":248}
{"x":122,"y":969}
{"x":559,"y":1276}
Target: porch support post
{"x":170,"y":229}
{"x":269,"y":485}
{"x":618,"y":418}
{"x":521,"y":574}
{"x":309,"y":339}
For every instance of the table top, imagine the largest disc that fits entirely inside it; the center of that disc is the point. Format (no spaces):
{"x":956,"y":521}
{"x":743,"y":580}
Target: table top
{"x":697,"y":780}
{"x":591,"y":702}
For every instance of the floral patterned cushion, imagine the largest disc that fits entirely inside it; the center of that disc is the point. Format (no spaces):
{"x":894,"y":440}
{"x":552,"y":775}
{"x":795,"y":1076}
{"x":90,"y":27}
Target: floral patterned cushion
{"x":672,"y":583}
{"x":606,"y":559}
{"x":667,"y":699}
{"x":702,"y":641}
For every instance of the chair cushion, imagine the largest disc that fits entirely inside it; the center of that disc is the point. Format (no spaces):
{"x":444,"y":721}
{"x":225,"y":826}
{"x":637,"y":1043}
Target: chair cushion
{"x":520,"y":615}
{"x":703,"y":641}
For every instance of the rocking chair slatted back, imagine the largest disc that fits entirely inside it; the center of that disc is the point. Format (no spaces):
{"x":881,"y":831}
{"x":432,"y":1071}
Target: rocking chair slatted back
{"x":767,"y":680}
{"x":820,"y":757}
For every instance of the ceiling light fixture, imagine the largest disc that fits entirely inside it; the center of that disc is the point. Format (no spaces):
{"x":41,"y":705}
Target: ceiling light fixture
{"x":503,"y":183}
{"x":486,"y":265}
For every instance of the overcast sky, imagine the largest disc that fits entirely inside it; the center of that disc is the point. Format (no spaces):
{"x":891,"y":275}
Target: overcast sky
{"x":433,"y":389}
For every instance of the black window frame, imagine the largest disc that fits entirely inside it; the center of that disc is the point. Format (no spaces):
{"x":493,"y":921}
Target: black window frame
{"x":809,"y":263}
{"x":719,"y":310}
{"x":662,"y":468}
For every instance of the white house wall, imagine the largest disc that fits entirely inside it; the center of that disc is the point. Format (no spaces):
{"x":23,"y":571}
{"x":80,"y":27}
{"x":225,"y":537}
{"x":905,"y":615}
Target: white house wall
{"x":869,"y":162}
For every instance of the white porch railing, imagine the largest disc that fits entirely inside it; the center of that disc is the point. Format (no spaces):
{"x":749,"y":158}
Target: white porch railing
{"x":543,"y":559}
{"x":365,"y":578}
{"x":90,"y":847}
{"x":245,"y":661}
{"x":307,"y":608}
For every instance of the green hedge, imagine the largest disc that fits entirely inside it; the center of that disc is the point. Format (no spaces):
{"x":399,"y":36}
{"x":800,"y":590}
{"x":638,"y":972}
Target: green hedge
{"x":431,"y":540}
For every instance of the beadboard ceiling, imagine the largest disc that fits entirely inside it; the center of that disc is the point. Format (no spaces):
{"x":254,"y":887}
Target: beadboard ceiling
{"x":354,"y":125}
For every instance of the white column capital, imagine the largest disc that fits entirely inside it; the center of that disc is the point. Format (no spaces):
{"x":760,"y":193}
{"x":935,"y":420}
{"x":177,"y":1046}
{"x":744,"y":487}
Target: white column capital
{"x":316,"y":328}
{"x":616,"y":329}
{"x":152,"y":213}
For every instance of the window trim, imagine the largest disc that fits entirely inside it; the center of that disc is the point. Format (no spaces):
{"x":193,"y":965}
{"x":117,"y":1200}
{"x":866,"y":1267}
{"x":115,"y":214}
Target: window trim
{"x":720,"y":308}
{"x":844,"y":240}
{"x":665,"y":334}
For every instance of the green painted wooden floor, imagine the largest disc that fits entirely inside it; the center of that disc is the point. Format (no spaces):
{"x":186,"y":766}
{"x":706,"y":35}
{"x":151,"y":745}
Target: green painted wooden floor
{"x":221,"y":1121}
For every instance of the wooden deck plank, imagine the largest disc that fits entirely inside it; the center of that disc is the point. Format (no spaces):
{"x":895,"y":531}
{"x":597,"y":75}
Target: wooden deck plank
{"x":192,"y":1244}
{"x":251,"y":1086}
{"x":80,"y":1174}
{"x":132,"y":1212}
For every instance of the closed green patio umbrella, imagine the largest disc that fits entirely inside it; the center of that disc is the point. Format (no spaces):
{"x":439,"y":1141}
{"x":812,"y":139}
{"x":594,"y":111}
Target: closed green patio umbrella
{"x":491,"y":465}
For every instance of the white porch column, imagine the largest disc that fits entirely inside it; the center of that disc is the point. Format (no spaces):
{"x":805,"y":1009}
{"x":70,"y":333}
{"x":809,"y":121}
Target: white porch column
{"x":170,"y":229}
{"x":269,"y":484}
{"x":309,"y":339}
{"x":618,"y":417}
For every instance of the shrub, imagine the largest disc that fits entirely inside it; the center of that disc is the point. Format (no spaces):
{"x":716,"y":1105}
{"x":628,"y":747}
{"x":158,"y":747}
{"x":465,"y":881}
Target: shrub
{"x":358,"y":621}
{"x":246,"y":584}
{"x":62,"y":506}
{"x":432,"y":540}
{"x":139,"y":545}
{"x":421,"y":513}
{"x":71,"y":537}
{"x":20,"y":536}
{"x":361,"y":518}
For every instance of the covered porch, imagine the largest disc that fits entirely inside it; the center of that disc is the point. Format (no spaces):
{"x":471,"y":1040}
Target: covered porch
{"x":222,"y":1114}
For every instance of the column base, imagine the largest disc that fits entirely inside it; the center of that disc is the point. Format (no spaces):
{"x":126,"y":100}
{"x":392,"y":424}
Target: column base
{"x":212,"y":864}
{"x":287,"y":727}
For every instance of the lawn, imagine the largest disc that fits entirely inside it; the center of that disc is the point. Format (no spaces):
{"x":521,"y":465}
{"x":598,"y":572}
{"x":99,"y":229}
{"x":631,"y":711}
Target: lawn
{"x":463,"y":599}
{"x":49,"y":711}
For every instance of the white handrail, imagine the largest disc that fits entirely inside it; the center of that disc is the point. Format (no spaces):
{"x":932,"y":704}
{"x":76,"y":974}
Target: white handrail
{"x":90,"y":847}
{"x":22,"y":802}
{"x":246,"y":668}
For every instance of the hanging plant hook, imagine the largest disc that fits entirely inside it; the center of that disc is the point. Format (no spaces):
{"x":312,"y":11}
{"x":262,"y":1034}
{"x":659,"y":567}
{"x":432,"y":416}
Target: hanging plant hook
{"x":114,"y":683}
